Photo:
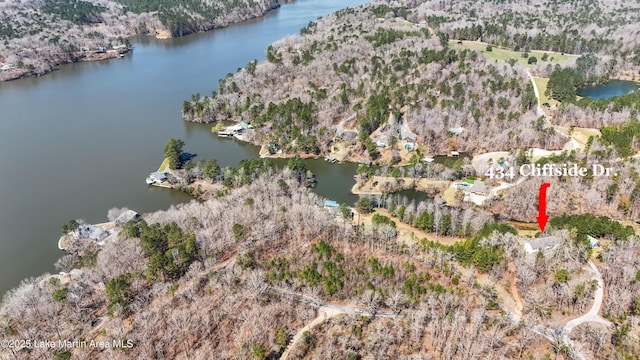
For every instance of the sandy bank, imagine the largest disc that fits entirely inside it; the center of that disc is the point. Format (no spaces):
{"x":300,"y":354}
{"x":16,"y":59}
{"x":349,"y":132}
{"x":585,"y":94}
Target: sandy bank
{"x":163,"y":34}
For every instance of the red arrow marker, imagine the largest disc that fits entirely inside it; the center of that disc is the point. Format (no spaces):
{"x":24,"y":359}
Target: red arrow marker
{"x":542,"y":206}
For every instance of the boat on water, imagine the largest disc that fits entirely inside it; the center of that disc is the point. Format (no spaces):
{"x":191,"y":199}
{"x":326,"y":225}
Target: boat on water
{"x":330,"y":159}
{"x":225,"y":133}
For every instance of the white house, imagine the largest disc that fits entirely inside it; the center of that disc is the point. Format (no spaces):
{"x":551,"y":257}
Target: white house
{"x":593,"y":242}
{"x":126,"y":216}
{"x":157,"y":177}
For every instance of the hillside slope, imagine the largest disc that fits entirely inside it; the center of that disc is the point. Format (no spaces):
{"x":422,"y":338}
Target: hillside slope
{"x":40,"y":35}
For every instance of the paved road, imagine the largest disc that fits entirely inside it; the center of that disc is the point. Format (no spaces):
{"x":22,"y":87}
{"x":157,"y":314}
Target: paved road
{"x":592,"y":315}
{"x":328,"y":310}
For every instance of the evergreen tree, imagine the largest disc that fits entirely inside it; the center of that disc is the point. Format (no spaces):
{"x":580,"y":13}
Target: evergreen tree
{"x":173,"y":151}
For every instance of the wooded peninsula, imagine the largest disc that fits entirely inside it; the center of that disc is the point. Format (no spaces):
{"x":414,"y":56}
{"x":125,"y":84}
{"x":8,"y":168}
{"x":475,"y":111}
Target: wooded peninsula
{"x":39,"y":36}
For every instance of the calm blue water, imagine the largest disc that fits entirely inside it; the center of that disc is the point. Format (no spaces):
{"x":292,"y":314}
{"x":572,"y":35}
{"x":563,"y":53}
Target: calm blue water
{"x":609,"y":89}
{"x":81,"y":140}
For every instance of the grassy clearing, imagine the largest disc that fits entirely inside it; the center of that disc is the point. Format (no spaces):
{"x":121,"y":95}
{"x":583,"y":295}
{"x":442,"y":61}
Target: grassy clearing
{"x":164,"y":166}
{"x":541,"y":84}
{"x":582,"y":134}
{"x":449,"y":195}
{"x":506,"y":54}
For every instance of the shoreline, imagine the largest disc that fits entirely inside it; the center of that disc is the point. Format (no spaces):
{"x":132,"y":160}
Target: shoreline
{"x":21,"y":73}
{"x":196,"y":189}
{"x":347,"y":156}
{"x":390,"y":184}
{"x":264,"y":153}
{"x":16,"y":73}
{"x":108,"y":226}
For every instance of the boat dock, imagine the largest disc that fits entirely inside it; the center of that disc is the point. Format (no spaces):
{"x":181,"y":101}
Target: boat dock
{"x":235,"y":130}
{"x":225,"y":133}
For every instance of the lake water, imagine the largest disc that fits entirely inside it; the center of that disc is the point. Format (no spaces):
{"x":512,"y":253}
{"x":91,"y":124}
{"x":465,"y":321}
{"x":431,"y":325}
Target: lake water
{"x":609,"y":89}
{"x":81,"y":140}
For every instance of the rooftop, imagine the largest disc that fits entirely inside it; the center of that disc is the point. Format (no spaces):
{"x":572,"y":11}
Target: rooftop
{"x":159,"y":175}
{"x":91,"y":232}
{"x":126,"y":216}
{"x":477,"y":187}
{"x":542,"y":243}
{"x":331,"y":203}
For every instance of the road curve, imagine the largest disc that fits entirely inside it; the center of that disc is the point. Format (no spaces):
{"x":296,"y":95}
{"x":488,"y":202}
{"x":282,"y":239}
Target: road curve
{"x":329,"y":310}
{"x":592,"y":315}
{"x":324,"y":313}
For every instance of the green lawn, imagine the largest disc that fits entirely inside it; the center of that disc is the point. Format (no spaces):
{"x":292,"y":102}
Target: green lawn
{"x":164,"y":166}
{"x":506,"y":54}
{"x":541,"y":84}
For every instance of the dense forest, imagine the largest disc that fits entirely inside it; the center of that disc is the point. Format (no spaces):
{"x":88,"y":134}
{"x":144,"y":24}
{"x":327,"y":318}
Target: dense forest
{"x":383,"y":78}
{"x":210,"y":275}
{"x":577,"y":27}
{"x":388,"y":76}
{"x":37,"y":36}
{"x":180,"y":273}
{"x":187,"y":16}
{"x":256,"y":268}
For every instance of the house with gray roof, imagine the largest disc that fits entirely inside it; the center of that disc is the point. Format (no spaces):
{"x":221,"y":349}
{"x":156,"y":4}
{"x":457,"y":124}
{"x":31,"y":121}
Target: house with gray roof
{"x":478,"y":187}
{"x":90,"y":232}
{"x":157,"y":177}
{"x":541,"y":244}
{"x":127,"y":216}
